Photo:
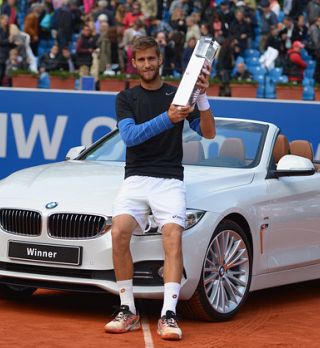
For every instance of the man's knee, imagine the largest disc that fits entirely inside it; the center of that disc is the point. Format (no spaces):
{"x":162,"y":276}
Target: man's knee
{"x":172,"y":239}
{"x":120,"y":238}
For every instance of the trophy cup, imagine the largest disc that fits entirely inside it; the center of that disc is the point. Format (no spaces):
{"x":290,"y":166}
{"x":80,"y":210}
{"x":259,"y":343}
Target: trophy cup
{"x":205,"y":52}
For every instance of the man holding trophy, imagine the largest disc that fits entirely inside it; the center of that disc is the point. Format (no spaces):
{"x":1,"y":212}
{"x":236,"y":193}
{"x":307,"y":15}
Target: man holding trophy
{"x":150,"y":120}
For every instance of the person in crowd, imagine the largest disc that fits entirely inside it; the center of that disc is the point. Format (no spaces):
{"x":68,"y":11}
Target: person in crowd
{"x":9,"y":9}
{"x":85,"y":46}
{"x":22,"y":44}
{"x":178,"y":20}
{"x":50,"y":61}
{"x":102,"y":9}
{"x":45,"y":19}
{"x":167,"y":53}
{"x":104,"y":48}
{"x":193,"y":29}
{"x":157,"y":25}
{"x":242,"y":74}
{"x":293,"y":8}
{"x":225,"y":65}
{"x":115,"y":34}
{"x":217,"y":27}
{"x":314,"y":46}
{"x":101,"y":19}
{"x":275,"y":7}
{"x":187,"y":52}
{"x":62,"y":22}
{"x":149,"y":8}
{"x":206,"y":30}
{"x":31,"y":26}
{"x":240,"y":30}
{"x":151,"y":127}
{"x":300,"y":30}
{"x":288,"y":26}
{"x":131,"y":17}
{"x":182,"y":4}
{"x":177,"y":38}
{"x":120,"y":14}
{"x":13,"y":63}
{"x":268,"y":18}
{"x":5,"y":45}
{"x":226,"y":16}
{"x":313,"y":11}
{"x":138,"y":29}
{"x":66,"y":61}
{"x":295,"y":65}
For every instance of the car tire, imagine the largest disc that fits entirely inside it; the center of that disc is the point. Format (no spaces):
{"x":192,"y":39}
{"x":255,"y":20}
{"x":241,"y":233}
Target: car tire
{"x":16,"y":292}
{"x":224,"y":283}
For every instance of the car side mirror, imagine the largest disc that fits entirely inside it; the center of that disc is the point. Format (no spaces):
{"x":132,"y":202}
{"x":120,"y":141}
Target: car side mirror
{"x":74,"y":152}
{"x":291,"y":165}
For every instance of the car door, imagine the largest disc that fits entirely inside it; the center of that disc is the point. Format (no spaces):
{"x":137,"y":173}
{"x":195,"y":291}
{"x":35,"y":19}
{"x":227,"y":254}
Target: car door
{"x":292,"y":238}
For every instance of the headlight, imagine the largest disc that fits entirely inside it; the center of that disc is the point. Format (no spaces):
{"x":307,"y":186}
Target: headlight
{"x":193,"y":216}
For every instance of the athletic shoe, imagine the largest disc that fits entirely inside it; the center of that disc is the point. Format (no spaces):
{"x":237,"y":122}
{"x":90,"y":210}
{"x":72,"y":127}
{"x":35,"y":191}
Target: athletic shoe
{"x":168,"y":328}
{"x":123,"y":322}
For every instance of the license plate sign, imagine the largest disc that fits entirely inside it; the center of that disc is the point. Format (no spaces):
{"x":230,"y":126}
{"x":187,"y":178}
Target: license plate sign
{"x":47,"y":253}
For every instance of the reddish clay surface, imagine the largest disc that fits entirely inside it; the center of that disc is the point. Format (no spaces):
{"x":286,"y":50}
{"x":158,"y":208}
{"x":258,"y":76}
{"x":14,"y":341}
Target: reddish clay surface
{"x":281,"y":317}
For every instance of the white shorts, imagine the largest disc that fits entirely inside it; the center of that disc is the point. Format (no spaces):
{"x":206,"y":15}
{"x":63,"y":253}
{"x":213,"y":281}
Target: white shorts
{"x":140,"y":195}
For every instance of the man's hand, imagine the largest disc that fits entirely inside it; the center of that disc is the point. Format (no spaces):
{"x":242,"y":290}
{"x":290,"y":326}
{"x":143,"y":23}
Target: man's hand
{"x":178,"y":113}
{"x":203,"y":79}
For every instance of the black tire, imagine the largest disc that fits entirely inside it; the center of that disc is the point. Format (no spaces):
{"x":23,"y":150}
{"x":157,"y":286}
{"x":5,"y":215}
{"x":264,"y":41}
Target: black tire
{"x":199,"y":307}
{"x":16,"y":292}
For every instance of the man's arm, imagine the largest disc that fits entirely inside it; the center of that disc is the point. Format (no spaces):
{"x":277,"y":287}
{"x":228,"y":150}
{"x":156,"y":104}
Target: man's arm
{"x":207,"y":123}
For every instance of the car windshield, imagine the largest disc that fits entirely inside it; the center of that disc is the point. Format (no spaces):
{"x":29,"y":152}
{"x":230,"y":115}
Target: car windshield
{"x":237,"y":144}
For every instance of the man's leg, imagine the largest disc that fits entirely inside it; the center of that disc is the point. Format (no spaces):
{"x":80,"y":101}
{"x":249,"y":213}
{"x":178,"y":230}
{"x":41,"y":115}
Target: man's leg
{"x":127,"y":318}
{"x":173,"y":268}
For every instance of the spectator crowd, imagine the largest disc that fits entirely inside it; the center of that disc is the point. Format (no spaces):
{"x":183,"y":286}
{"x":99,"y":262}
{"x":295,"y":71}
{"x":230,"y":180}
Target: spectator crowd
{"x":95,"y":36}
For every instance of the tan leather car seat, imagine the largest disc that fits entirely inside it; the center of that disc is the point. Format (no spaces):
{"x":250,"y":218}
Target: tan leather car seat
{"x":281,"y":147}
{"x":304,"y":149}
{"x":232,"y":147}
{"x":192,"y":152}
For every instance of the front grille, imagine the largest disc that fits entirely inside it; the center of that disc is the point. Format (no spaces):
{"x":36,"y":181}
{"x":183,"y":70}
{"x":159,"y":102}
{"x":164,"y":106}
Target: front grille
{"x":75,"y":226}
{"x":23,"y":222}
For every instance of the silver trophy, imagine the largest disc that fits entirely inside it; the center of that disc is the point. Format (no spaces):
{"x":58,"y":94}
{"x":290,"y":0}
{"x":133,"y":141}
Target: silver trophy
{"x":205,"y":52}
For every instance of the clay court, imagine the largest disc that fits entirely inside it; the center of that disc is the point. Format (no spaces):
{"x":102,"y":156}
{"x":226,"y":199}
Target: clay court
{"x":287,"y":316}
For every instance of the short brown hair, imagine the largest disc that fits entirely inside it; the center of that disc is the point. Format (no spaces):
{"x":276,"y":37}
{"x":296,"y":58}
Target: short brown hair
{"x":143,"y":43}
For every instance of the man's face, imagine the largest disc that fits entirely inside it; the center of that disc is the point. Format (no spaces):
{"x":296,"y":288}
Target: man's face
{"x":147,"y":63}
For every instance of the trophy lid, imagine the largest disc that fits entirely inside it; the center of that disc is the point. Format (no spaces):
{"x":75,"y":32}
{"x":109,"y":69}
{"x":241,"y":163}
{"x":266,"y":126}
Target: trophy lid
{"x":207,"y":48}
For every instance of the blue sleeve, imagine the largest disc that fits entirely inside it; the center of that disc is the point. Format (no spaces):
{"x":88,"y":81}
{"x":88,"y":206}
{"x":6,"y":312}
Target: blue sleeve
{"x":195,"y":125}
{"x":135,"y":134}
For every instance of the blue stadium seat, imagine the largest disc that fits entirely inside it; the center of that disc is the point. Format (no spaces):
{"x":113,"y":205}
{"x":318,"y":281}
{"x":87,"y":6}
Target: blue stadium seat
{"x":305,"y":55}
{"x":275,"y":74}
{"x":308,"y":93}
{"x":254,"y":61}
{"x":251,"y":53}
{"x":283,"y":79}
{"x":311,"y":64}
{"x":309,"y":73}
{"x":257,"y":70}
{"x":270,"y":89}
{"x":308,"y":82}
{"x":260,"y":90}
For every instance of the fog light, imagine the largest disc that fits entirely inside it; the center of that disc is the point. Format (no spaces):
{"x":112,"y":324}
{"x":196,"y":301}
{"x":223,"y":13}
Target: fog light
{"x":160,"y":272}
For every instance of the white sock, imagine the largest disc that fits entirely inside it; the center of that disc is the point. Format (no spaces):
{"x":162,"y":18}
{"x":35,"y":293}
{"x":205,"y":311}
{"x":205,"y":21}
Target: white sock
{"x":171,"y":296}
{"x":126,"y":294}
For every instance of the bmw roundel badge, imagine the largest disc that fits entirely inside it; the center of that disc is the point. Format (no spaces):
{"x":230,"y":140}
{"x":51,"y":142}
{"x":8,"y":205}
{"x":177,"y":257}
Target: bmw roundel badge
{"x":51,"y":205}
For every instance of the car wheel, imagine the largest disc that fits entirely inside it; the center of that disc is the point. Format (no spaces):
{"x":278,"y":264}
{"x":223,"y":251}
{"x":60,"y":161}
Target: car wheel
{"x":16,"y":292}
{"x":225,"y":276}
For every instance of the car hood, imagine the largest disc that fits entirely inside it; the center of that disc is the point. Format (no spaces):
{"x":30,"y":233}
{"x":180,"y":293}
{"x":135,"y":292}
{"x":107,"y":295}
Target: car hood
{"x":91,"y":187}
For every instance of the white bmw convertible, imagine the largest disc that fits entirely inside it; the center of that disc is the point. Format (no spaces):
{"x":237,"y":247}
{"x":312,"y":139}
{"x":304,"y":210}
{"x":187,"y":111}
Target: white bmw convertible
{"x":253,"y":220}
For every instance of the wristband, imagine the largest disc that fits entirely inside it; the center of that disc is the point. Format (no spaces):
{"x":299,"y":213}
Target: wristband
{"x":203,"y":102}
